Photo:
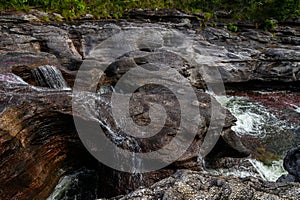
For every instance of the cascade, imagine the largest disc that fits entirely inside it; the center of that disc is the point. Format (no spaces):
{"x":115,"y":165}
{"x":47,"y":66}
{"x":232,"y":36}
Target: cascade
{"x":49,"y":76}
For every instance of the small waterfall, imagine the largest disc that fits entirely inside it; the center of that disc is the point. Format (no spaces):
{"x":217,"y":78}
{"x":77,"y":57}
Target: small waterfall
{"x":85,"y":101}
{"x":49,"y":76}
{"x":90,"y":105}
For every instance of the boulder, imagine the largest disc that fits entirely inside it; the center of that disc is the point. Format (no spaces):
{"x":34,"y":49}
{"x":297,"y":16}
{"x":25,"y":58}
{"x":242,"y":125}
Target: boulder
{"x":291,"y":164}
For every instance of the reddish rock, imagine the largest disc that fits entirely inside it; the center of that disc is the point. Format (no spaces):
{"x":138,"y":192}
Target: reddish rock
{"x":39,"y":142}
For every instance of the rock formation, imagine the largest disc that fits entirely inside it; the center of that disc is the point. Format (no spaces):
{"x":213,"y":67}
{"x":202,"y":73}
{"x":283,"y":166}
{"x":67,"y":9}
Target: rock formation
{"x":186,"y":184}
{"x":38,"y":139}
{"x":291,"y":164}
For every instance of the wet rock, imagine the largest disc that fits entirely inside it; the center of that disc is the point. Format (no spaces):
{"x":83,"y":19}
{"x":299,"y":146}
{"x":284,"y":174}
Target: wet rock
{"x":187,"y":184}
{"x":37,"y":133}
{"x":22,"y":64}
{"x":114,"y":183}
{"x":164,"y":61}
{"x":216,"y":34}
{"x":10,"y":61}
{"x":139,"y":108}
{"x":38,"y":139}
{"x":287,"y":178}
{"x":282,"y":54}
{"x":40,"y":142}
{"x":259,"y":36}
{"x":174,"y":16}
{"x":81,"y":185}
{"x":11,"y":17}
{"x":292,"y":165}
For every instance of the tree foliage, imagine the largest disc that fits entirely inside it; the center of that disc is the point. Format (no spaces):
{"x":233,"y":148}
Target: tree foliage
{"x":241,"y":9}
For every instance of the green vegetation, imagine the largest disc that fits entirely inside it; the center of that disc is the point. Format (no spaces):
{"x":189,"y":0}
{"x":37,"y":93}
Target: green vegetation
{"x":270,"y":24}
{"x":232,"y":27}
{"x":208,"y":15}
{"x":239,"y":9}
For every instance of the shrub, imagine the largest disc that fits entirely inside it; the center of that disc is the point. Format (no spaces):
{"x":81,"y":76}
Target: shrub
{"x":270,"y":24}
{"x":232,"y":27}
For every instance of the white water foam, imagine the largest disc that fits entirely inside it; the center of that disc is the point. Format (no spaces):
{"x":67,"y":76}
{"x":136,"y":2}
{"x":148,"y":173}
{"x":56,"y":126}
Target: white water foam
{"x":269,"y":172}
{"x":253,"y":118}
{"x":256,"y":169}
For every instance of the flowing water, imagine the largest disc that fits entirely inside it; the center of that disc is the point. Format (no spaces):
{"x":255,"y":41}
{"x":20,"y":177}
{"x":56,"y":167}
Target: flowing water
{"x":253,"y":168}
{"x":70,"y":186}
{"x":276,"y":136}
{"x":269,"y":172}
{"x":253,"y":120}
{"x":49,"y":76}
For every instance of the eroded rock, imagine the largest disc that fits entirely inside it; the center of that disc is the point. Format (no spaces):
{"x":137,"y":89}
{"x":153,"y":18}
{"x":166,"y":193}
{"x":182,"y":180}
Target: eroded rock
{"x":186,"y":184}
{"x":250,"y":55}
{"x":37,"y":133}
{"x":40,"y":142}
